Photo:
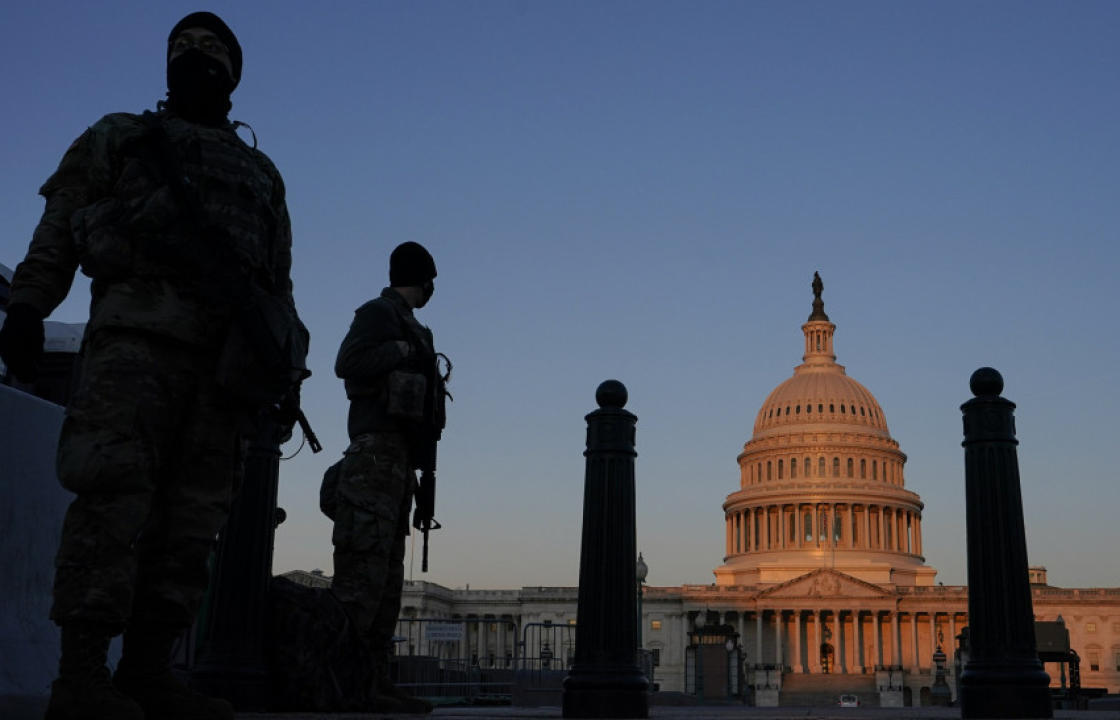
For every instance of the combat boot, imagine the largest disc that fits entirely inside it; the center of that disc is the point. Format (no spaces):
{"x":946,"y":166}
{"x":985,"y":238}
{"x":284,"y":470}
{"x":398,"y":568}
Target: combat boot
{"x":83,"y":690}
{"x":386,"y":694}
{"x":144,"y":674}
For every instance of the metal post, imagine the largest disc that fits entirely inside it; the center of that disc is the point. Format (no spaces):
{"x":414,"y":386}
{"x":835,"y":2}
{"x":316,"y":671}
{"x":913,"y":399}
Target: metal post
{"x":605,"y":680}
{"x":232,"y":662}
{"x":1003,"y":677}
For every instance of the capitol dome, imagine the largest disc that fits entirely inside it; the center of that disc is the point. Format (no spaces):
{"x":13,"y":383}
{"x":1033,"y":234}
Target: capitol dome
{"x":821,"y":481}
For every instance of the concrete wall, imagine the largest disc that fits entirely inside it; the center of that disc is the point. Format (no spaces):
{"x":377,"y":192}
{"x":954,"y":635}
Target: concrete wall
{"x":32,"y":505}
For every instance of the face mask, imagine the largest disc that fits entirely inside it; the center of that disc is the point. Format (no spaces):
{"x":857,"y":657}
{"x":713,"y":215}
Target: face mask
{"x":198,"y":88}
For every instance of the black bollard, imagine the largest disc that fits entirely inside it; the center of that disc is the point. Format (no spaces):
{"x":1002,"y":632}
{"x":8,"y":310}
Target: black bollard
{"x":605,"y":680}
{"x":232,"y":662}
{"x":1003,"y":677}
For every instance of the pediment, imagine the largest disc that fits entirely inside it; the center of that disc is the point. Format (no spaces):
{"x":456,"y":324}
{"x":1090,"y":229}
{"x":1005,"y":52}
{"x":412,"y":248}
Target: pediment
{"x":824,"y":583}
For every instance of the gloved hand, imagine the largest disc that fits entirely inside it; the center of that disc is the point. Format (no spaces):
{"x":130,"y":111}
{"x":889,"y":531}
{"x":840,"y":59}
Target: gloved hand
{"x":21,"y":341}
{"x":287,"y":413}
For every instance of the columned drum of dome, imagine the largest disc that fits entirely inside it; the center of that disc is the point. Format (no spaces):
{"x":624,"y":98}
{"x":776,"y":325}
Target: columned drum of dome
{"x":821,"y":481}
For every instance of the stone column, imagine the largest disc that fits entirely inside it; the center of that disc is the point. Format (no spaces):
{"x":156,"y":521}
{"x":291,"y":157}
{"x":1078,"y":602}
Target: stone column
{"x":502,"y":641}
{"x":767,"y":543}
{"x":896,"y":640}
{"x":605,"y":680}
{"x":932,"y":632}
{"x":867,"y":526}
{"x":951,"y":642}
{"x":728,"y":524}
{"x":758,"y":636}
{"x":860,"y":659}
{"x":1003,"y":677}
{"x":815,"y":651}
{"x":798,"y":665}
{"x":882,"y":543}
{"x":778,"y":639}
{"x":914,"y":640}
{"x":748,"y":516}
{"x":742,"y":630}
{"x":918,"y":532}
{"x":875,"y":632}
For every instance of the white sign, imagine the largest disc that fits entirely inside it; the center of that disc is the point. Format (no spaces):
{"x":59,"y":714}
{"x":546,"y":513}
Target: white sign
{"x":445,"y":632}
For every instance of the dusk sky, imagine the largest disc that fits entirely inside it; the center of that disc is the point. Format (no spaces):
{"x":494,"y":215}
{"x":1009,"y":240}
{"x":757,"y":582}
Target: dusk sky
{"x":642,"y":191}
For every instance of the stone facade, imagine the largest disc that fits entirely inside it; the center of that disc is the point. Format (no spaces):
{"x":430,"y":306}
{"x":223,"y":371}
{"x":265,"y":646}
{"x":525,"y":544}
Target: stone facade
{"x":822,"y":572}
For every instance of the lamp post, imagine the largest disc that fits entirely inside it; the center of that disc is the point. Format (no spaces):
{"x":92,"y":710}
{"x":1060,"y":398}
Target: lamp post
{"x":605,"y":680}
{"x":640,"y":572}
{"x":940,"y":695}
{"x":1003,"y":677}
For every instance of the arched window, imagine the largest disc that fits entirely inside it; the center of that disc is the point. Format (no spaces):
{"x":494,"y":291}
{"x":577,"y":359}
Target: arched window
{"x":787,"y":410}
{"x":835,"y":467}
{"x":850,"y":471}
{"x":861,"y":413}
{"x":808,"y":407}
{"x":768,"y":470}
{"x":853,"y":407}
{"x":780,"y":476}
{"x":820,"y":407}
{"x":862,"y":469}
{"x":874,"y":469}
{"x":779,"y":412}
{"x":842,"y":410}
{"x":831,"y":408}
{"x":797,"y":410}
{"x":758,"y":475}
{"x":793,"y":468}
{"x":808,"y":467}
{"x":820,"y":467}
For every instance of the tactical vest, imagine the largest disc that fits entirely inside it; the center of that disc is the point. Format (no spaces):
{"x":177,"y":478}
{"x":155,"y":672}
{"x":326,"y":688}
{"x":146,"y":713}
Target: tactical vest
{"x":154,"y":257}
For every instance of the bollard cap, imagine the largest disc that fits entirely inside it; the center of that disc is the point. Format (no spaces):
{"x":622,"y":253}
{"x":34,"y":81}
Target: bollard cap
{"x":611,"y":394}
{"x":986,"y":382}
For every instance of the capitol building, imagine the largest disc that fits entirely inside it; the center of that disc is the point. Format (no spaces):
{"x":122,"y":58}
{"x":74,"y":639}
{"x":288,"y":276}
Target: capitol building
{"x":823,"y":584}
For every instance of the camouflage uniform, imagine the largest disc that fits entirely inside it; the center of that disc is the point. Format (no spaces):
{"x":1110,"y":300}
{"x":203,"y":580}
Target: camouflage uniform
{"x":150,"y":444}
{"x":377,"y":477}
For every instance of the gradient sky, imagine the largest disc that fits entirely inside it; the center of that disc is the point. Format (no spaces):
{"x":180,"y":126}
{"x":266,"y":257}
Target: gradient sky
{"x":642,"y":191}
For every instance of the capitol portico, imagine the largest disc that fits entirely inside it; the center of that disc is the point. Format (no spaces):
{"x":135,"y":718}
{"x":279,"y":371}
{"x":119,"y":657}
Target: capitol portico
{"x":823,"y":582}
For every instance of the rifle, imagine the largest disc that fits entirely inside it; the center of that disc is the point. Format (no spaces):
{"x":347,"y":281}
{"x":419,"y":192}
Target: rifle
{"x":423,"y":518}
{"x":308,"y":433}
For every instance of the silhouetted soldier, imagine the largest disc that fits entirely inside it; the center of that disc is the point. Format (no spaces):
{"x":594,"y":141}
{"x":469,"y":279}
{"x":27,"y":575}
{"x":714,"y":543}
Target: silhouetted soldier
{"x":192,"y":332}
{"x":396,"y":411}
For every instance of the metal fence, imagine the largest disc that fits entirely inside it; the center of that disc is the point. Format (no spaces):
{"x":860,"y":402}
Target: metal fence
{"x":485,"y":660}
{"x":470,"y":660}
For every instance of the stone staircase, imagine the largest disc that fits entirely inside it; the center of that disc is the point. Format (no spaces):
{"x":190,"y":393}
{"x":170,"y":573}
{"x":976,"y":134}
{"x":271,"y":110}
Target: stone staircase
{"x":802,"y":690}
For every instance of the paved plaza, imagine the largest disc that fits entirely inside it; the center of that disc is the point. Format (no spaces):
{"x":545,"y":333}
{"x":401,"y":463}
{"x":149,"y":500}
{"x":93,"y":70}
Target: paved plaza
{"x":699,"y":713}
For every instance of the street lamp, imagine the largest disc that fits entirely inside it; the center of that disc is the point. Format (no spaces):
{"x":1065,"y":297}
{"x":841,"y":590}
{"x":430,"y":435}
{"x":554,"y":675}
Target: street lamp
{"x":640,"y":572}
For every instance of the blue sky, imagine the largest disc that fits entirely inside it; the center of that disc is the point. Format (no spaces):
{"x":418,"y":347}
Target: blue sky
{"x":642,"y":191}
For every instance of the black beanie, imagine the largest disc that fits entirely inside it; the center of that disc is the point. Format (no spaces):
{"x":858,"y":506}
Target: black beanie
{"x":410,"y":265}
{"x":214,"y":24}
